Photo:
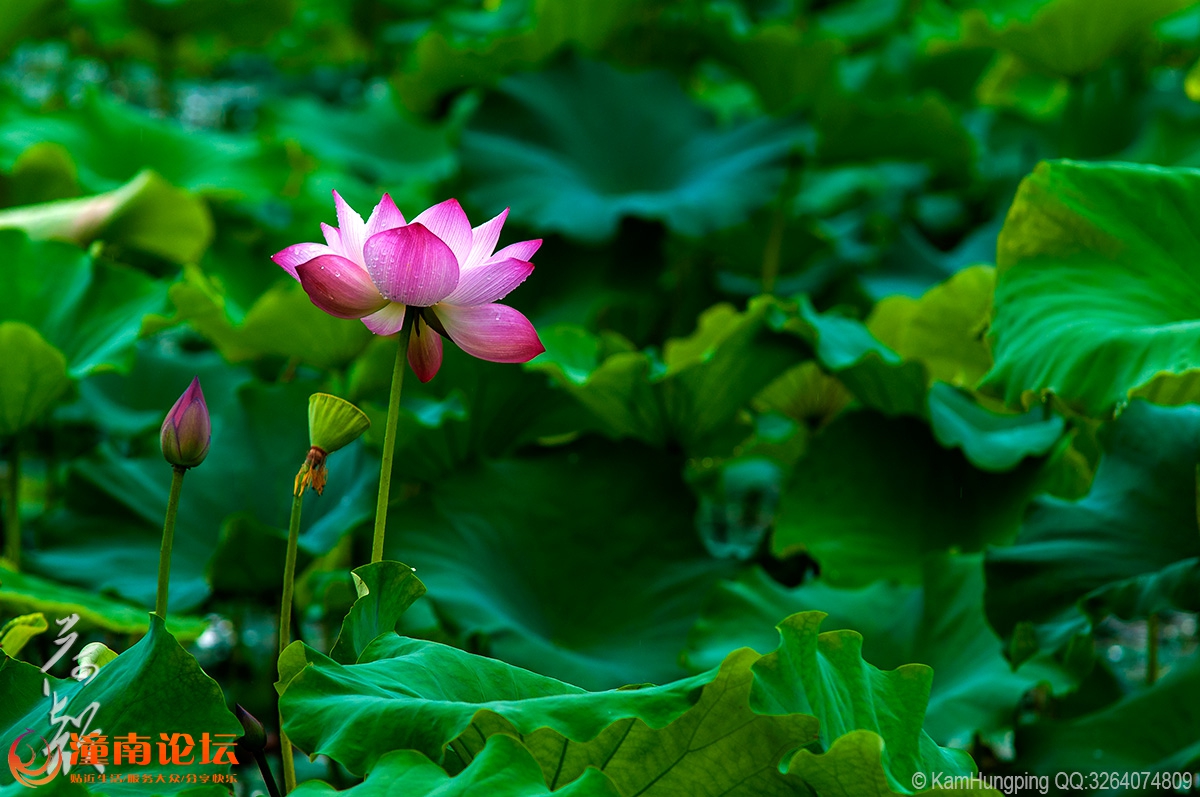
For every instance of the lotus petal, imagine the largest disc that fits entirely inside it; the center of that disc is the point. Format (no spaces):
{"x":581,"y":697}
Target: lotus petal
{"x":492,"y":332}
{"x":339,"y":287}
{"x":411,"y":265}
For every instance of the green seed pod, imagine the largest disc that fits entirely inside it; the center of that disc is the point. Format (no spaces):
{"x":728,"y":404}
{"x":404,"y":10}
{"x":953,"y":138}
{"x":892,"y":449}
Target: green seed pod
{"x":334,"y":422}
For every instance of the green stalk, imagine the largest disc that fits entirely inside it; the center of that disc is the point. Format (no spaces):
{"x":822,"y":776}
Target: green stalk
{"x":389,"y":436}
{"x":261,"y":759}
{"x":12,"y":518}
{"x":285,"y":630}
{"x":168,"y":542}
{"x":1151,"y":649}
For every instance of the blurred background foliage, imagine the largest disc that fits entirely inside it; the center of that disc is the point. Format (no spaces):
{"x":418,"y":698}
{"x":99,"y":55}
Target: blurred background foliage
{"x":782,"y":373}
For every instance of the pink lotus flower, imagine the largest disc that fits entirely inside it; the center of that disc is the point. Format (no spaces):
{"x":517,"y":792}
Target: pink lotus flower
{"x":437,"y":266}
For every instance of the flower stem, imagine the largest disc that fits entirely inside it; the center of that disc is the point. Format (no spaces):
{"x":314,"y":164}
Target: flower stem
{"x":168,"y":542}
{"x":285,"y":629}
{"x":389,"y":436}
{"x":289,"y":574}
{"x":12,"y":518}
{"x":269,"y":779}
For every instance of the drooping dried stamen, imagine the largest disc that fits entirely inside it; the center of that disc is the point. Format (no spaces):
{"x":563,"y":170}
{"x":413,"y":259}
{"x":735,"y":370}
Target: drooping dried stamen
{"x":312,"y":472}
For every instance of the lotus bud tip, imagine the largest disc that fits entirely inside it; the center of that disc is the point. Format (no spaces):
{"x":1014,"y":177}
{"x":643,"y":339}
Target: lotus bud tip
{"x":255,"y":737}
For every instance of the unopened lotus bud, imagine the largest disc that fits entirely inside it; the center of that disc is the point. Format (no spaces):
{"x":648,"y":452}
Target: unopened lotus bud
{"x":91,"y":658}
{"x":255,"y":736}
{"x":186,"y":431}
{"x":333,"y":423}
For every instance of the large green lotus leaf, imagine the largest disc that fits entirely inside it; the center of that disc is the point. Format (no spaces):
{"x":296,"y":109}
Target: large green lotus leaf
{"x":719,"y":744}
{"x":378,"y":144}
{"x":939,"y":623}
{"x":826,"y":676}
{"x":283,"y":322}
{"x":1095,"y":293}
{"x":1064,"y":37}
{"x":155,"y":687}
{"x":859,"y":765}
{"x":1129,"y":546}
{"x":701,"y":384}
{"x":35,"y":376}
{"x":504,"y":556}
{"x":575,"y":149}
{"x":1148,"y":730}
{"x":726,"y":728}
{"x":443,"y":62}
{"x":22,"y":593}
{"x":91,"y":310}
{"x":873,"y":495}
{"x":147,"y":214}
{"x":944,"y":328}
{"x":992,"y":441}
{"x":115,"y":515}
{"x":112,"y":142}
{"x":385,"y":591}
{"x":424,"y":696}
{"x":504,"y":768}
{"x":876,"y":375}
{"x":652,"y":739}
